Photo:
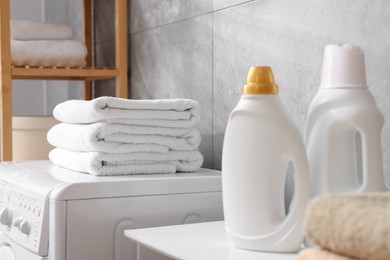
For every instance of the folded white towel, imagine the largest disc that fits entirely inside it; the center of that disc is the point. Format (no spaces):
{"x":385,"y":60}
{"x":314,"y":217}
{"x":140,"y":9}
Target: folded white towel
{"x":32,"y":30}
{"x":114,"y":138}
{"x":153,"y":122}
{"x":106,"y":108}
{"x":48,"y":53}
{"x":98,"y":163}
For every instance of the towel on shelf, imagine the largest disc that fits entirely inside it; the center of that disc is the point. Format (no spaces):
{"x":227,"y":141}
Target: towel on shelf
{"x":114,"y":138}
{"x":107,"y":108}
{"x":32,"y":30}
{"x":356,"y":225}
{"x":98,"y":163}
{"x":48,"y":53}
{"x":317,"y":253}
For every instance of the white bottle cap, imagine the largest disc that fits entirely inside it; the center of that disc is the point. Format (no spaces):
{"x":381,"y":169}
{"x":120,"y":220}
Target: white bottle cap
{"x":343,"y":67}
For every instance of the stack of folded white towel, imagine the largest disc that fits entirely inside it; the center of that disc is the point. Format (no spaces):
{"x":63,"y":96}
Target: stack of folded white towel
{"x":45,"y":44}
{"x":114,"y":136}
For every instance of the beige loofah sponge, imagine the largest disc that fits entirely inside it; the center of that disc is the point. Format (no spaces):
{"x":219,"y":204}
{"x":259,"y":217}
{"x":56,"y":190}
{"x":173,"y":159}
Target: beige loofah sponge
{"x":354,"y":225}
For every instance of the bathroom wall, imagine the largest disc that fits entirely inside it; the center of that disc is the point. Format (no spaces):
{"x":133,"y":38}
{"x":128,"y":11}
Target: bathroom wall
{"x":28,"y":95}
{"x":66,"y":12}
{"x":202,"y":49}
{"x":38,"y":97}
{"x":104,"y":38}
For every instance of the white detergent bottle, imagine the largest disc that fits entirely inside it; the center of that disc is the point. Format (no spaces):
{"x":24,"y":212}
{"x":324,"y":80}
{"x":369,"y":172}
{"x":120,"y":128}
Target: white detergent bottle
{"x":261,"y":141}
{"x":343,"y":130}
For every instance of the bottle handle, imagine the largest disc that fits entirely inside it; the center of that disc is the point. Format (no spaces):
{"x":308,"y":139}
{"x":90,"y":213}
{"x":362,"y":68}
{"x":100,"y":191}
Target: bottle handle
{"x":289,"y":236}
{"x":294,"y":218}
{"x":372,"y":168}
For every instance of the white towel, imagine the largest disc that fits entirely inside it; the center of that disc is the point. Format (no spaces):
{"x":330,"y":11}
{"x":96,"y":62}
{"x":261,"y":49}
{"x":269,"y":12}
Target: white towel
{"x":107,"y":108}
{"x":48,"y":53}
{"x":153,"y":122}
{"x":114,"y":138}
{"x":98,"y":163}
{"x":32,"y":30}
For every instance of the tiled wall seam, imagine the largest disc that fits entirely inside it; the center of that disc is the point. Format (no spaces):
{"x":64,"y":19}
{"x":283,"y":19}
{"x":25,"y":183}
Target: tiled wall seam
{"x":231,"y":6}
{"x":170,"y":23}
{"x":191,"y":17}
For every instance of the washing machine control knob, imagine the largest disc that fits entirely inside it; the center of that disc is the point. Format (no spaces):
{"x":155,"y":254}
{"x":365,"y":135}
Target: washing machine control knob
{"x":16,"y":222}
{"x":6,"y":217}
{"x":25,"y":227}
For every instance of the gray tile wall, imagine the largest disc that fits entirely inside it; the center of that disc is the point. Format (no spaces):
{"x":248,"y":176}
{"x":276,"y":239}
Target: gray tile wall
{"x":28,"y":96}
{"x":67,"y":12}
{"x":104,"y":39}
{"x":202,"y":49}
{"x":148,"y":14}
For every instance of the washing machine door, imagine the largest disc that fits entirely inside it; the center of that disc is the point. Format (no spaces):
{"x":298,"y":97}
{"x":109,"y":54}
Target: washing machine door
{"x":6,"y":252}
{"x":9,"y":250}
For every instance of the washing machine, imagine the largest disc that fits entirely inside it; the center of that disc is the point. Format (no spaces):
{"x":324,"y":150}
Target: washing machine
{"x":50,"y":213}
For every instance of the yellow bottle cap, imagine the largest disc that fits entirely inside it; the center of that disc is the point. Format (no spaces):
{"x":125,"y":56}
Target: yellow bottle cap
{"x":260,"y":80}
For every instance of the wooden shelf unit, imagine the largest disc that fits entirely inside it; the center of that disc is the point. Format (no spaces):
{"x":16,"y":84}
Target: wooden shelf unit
{"x":86,"y":74}
{"x":63,"y":73}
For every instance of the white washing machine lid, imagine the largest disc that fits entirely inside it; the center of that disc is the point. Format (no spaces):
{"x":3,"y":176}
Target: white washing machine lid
{"x":44,"y":178}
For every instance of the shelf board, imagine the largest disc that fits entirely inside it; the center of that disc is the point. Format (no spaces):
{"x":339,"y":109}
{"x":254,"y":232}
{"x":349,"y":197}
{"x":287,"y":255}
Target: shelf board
{"x":63,"y":73}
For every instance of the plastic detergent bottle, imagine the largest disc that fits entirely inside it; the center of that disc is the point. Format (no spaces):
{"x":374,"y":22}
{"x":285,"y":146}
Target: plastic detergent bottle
{"x":343,"y":130}
{"x":261,"y":141}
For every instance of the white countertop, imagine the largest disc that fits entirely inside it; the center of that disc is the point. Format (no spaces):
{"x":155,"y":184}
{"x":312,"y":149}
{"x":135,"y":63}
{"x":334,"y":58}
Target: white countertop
{"x":206,"y":241}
